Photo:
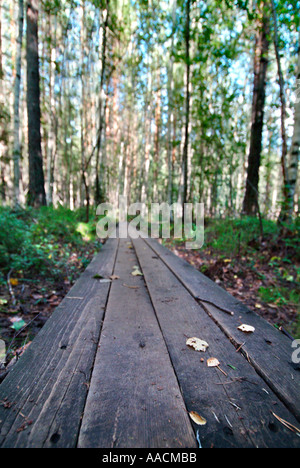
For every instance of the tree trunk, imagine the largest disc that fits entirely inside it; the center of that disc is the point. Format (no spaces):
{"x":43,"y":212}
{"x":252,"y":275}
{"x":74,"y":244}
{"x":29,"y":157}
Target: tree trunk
{"x":293,"y":159}
{"x":1,"y":67}
{"x":250,"y":206}
{"x":3,"y":118}
{"x":51,"y":150}
{"x":17,"y":145}
{"x":284,"y":150}
{"x":99,"y":192}
{"x":187,"y":110}
{"x":36,"y":193}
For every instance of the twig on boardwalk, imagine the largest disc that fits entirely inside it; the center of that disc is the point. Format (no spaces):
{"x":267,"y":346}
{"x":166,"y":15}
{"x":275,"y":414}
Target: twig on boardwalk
{"x":287,"y":424}
{"x":240,"y":347}
{"x":229,"y":312}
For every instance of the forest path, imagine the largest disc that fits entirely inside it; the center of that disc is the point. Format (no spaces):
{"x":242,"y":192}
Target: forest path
{"x":112,"y":369}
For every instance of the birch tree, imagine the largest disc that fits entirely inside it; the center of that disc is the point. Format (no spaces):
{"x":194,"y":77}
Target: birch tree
{"x":294,"y":154}
{"x":17,"y":86}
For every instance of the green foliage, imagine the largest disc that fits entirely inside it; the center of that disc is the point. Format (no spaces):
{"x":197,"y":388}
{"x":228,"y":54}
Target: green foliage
{"x":232,"y":236}
{"x":41,"y":241}
{"x":279,"y":296}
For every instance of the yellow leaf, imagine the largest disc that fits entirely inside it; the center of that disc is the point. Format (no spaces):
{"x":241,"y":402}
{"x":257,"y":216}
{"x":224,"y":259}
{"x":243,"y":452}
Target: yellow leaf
{"x":136,"y":271}
{"x":197,"y":418}
{"x":14,"y":281}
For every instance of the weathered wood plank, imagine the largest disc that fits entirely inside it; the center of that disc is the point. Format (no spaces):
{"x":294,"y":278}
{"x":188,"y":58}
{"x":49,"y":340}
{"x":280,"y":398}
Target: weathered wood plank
{"x":48,"y":386}
{"x":134,"y":399}
{"x":237,"y":407}
{"x":267,"y":349}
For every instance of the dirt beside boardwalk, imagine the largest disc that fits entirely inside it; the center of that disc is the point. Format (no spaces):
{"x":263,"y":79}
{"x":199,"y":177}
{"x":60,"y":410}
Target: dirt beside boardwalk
{"x":250,"y":283}
{"x":29,"y":302}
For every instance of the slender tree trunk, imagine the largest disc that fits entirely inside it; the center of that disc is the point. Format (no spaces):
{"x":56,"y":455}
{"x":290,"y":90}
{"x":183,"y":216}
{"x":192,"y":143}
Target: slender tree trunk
{"x":84,"y":164}
{"x":293,"y":159}
{"x":1,"y":66}
{"x":102,"y":108}
{"x":157,"y":139}
{"x":187,"y":109}
{"x":250,"y":206}
{"x":2,"y":118}
{"x":171,"y":107}
{"x":51,"y":151}
{"x":36,"y":193}
{"x":284,"y":150}
{"x":17,"y":145}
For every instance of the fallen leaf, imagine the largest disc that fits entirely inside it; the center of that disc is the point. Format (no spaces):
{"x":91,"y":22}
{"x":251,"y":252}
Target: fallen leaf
{"x":18,"y":324}
{"x":197,"y":418}
{"x":197,"y":344}
{"x":246,"y":328}
{"x":97,"y":276}
{"x":14,"y":281}
{"x":114,"y":277}
{"x":212,"y":362}
{"x":136,"y":271}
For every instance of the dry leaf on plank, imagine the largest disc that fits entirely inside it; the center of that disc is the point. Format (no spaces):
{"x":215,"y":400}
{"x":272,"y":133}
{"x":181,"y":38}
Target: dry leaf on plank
{"x":212,"y":362}
{"x":197,"y":418}
{"x":197,"y":344}
{"x":246,"y":328}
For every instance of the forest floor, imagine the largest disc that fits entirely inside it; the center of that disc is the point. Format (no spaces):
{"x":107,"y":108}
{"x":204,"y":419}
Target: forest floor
{"x":42,"y":254}
{"x":34,"y":278}
{"x":263,"y":274}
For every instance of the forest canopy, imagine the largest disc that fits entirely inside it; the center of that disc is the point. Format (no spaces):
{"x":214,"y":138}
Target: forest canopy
{"x":169,"y":101}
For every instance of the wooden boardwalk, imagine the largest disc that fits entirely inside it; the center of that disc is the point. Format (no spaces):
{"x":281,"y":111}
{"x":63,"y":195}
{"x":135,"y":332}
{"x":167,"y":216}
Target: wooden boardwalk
{"x":111,"y":368}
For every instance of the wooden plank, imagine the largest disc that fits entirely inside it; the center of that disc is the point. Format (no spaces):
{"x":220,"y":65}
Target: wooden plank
{"x":47,"y":388}
{"x":134,"y":399}
{"x":238,"y":407}
{"x":267,"y":349}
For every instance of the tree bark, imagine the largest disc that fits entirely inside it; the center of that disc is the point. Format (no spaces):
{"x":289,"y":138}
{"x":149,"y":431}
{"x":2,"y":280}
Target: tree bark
{"x":51,"y":150}
{"x":17,"y":145}
{"x":293,"y":158}
{"x":171,"y":107}
{"x":284,"y":150}
{"x":250,"y":206}
{"x":99,"y":190}
{"x":36,"y":193}
{"x":187,"y":109}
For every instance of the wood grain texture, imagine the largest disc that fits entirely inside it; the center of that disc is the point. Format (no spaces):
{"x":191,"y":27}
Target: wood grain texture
{"x":48,"y":386}
{"x":134,"y":399}
{"x":237,"y":407}
{"x":130,"y":381}
{"x":269,"y":351}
